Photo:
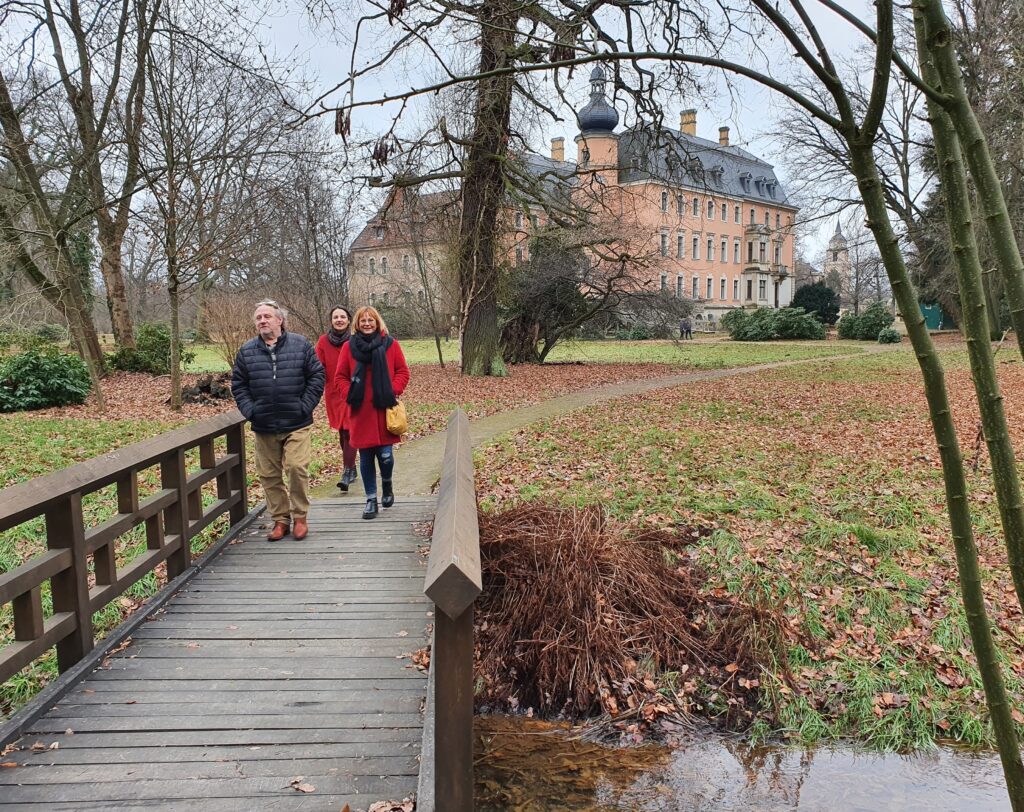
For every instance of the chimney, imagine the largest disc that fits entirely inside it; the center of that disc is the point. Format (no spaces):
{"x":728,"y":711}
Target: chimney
{"x":723,"y":136}
{"x":558,"y":149}
{"x":688,"y":122}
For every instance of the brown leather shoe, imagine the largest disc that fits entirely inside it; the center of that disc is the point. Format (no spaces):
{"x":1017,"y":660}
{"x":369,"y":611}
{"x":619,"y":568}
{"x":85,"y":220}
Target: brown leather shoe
{"x":280,"y":531}
{"x":301,"y":528}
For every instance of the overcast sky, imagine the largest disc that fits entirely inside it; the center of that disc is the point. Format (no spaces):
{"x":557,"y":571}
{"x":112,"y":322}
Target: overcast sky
{"x":750,"y":111}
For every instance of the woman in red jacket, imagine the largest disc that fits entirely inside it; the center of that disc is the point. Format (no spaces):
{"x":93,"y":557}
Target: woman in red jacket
{"x":328,"y":348}
{"x":371,"y":376}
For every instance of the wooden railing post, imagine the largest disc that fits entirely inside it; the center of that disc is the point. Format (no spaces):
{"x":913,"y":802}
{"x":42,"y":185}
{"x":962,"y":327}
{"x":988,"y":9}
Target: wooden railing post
{"x":236,"y":476}
{"x":453,"y":582}
{"x":65,"y":529}
{"x":173,"y":476}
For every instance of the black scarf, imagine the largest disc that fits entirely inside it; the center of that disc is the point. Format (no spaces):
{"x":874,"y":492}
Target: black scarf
{"x":336,"y":338}
{"x":371,"y":350}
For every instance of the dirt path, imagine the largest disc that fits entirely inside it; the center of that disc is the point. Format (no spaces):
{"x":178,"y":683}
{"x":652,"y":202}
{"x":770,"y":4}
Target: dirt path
{"x":418,"y":463}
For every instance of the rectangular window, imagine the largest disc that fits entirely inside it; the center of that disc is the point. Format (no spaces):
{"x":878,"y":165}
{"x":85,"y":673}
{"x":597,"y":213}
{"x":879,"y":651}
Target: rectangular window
{"x":695,"y":288}
{"x":664,"y":245}
{"x":383,"y":264}
{"x":405,"y":262}
{"x":778,"y":253}
{"x":680,"y":246}
{"x":679,"y":286}
{"x":736,"y":214}
{"x":722,"y":290}
{"x":762,"y":290}
{"x":711,"y":210}
{"x":710,"y":256}
{"x":519,"y":219}
{"x":664,"y":201}
{"x":708,"y":287}
{"x":664,"y":281}
{"x":373,"y":266}
{"x":695,"y":247}
{"x":736,"y":251}
{"x":762,"y":252}
{"x":736,"y":289}
{"x":750,"y":289}
{"x":725,"y":250}
{"x":680,"y":205}
{"x":533,"y":220}
{"x":750,"y":253}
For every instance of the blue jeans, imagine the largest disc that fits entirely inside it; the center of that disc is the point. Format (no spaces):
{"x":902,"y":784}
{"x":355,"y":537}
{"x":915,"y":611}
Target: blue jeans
{"x":368,"y":471}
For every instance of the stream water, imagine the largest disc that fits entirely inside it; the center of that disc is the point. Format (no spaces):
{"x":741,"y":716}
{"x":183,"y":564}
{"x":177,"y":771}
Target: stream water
{"x":528,"y":766}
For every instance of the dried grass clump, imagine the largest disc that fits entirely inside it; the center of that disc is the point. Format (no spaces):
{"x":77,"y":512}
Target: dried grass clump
{"x":573,"y":601}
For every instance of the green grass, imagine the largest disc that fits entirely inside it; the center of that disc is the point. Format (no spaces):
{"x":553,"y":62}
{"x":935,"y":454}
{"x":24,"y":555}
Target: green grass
{"x":703,"y":354}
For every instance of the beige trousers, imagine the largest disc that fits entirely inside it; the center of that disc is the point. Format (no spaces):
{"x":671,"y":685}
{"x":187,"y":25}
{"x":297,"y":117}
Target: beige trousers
{"x":281,"y":457}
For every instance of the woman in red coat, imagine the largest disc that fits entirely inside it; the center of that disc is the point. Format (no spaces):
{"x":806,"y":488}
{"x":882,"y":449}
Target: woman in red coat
{"x":328,"y":348}
{"x":371,"y":376}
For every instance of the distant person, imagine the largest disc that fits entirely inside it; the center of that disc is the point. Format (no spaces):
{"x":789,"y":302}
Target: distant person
{"x":371,"y":376}
{"x":277,"y":381}
{"x":328,"y":348}
{"x":686,"y":329}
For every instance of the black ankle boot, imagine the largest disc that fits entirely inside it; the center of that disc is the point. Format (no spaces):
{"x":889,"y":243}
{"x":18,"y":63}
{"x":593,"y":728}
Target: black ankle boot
{"x":389,"y":494}
{"x":343,"y":485}
{"x":370,"y":511}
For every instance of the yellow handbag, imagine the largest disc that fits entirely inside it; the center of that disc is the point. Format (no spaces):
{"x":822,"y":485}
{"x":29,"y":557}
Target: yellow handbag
{"x":397,"y":419}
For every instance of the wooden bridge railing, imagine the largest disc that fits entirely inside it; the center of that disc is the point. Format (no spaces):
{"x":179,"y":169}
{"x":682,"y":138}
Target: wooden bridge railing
{"x":453,"y":582}
{"x":172,"y":515}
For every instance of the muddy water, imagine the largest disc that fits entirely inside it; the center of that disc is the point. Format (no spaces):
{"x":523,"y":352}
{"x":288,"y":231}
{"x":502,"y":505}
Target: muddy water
{"x":527,"y":766}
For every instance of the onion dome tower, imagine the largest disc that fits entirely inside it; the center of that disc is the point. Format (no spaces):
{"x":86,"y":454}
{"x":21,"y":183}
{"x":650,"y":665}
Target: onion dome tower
{"x":597,"y":144}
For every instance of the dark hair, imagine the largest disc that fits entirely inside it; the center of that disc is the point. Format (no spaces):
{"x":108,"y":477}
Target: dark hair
{"x":330,"y":315}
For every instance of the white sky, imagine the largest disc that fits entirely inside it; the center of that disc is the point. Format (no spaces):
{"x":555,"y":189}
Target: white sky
{"x":750,"y":111}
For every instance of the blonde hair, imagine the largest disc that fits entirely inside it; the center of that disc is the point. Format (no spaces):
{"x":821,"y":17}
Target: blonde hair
{"x":367,"y":310}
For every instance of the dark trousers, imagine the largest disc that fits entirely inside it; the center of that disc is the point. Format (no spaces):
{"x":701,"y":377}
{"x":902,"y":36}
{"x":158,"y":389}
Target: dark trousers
{"x":369,"y":459}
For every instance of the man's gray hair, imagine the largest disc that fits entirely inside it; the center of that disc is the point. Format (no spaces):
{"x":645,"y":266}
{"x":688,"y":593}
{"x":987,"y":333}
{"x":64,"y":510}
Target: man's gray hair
{"x":280,"y":311}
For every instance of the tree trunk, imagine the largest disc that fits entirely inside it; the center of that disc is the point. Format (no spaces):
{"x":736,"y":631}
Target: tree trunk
{"x":483,"y":189}
{"x":111,"y":240}
{"x":172,"y":292}
{"x":862,"y":163}
{"x":519,"y":341}
{"x":939,"y":45}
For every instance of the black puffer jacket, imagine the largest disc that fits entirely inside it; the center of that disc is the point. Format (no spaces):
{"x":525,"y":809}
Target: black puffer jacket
{"x":277,"y":398}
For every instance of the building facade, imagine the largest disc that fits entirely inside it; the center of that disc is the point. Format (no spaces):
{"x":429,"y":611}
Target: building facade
{"x":700,"y":219}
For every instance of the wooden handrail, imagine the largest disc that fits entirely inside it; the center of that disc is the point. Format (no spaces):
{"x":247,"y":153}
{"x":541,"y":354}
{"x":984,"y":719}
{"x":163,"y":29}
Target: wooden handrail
{"x":453,"y":581}
{"x":172,"y":517}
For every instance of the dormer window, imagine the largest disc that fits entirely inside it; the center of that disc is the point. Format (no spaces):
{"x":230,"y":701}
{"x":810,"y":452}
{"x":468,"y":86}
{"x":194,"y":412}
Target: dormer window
{"x":770,"y":187}
{"x":378,"y":232}
{"x":634,"y":164}
{"x":695,"y":166}
{"x":745,"y":178}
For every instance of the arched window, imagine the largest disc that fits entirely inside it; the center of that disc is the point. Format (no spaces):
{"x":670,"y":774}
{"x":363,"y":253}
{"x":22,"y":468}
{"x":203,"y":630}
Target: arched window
{"x":383,"y":265}
{"x":680,"y":205}
{"x":664,"y":201}
{"x":711,"y":210}
{"x":752,"y":217}
{"x":725,"y":212}
{"x":373,"y":266}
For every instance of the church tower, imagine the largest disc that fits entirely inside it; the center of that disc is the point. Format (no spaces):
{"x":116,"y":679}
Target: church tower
{"x":836,"y":268}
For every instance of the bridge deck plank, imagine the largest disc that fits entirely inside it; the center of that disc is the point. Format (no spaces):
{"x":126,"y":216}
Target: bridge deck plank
{"x":277,"y":661}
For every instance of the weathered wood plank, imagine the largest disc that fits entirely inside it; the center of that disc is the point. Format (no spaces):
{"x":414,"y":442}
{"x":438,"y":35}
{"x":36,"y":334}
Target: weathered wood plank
{"x":278,"y":660}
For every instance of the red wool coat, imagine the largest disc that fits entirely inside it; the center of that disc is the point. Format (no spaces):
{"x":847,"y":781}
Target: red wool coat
{"x":367,"y":426}
{"x":337,"y":408}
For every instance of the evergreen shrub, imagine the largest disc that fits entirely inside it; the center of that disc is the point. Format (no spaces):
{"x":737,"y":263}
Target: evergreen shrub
{"x":889,"y":336}
{"x":765,"y":324}
{"x":42,"y":377}
{"x":868,"y":324}
{"x":152,"y":352}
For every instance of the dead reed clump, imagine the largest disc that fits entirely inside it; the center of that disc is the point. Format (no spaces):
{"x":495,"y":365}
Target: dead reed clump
{"x":581,"y":614}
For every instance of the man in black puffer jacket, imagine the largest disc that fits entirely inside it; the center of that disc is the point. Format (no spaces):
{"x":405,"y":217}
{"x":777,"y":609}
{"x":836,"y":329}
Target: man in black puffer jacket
{"x":277,"y":381}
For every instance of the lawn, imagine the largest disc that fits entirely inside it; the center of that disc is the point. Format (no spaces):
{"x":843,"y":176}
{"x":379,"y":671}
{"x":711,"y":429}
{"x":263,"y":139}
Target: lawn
{"x":821,"y":491}
{"x":706,"y":353}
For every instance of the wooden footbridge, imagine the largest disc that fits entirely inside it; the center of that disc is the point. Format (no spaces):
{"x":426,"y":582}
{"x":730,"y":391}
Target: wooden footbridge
{"x":263,"y":676}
